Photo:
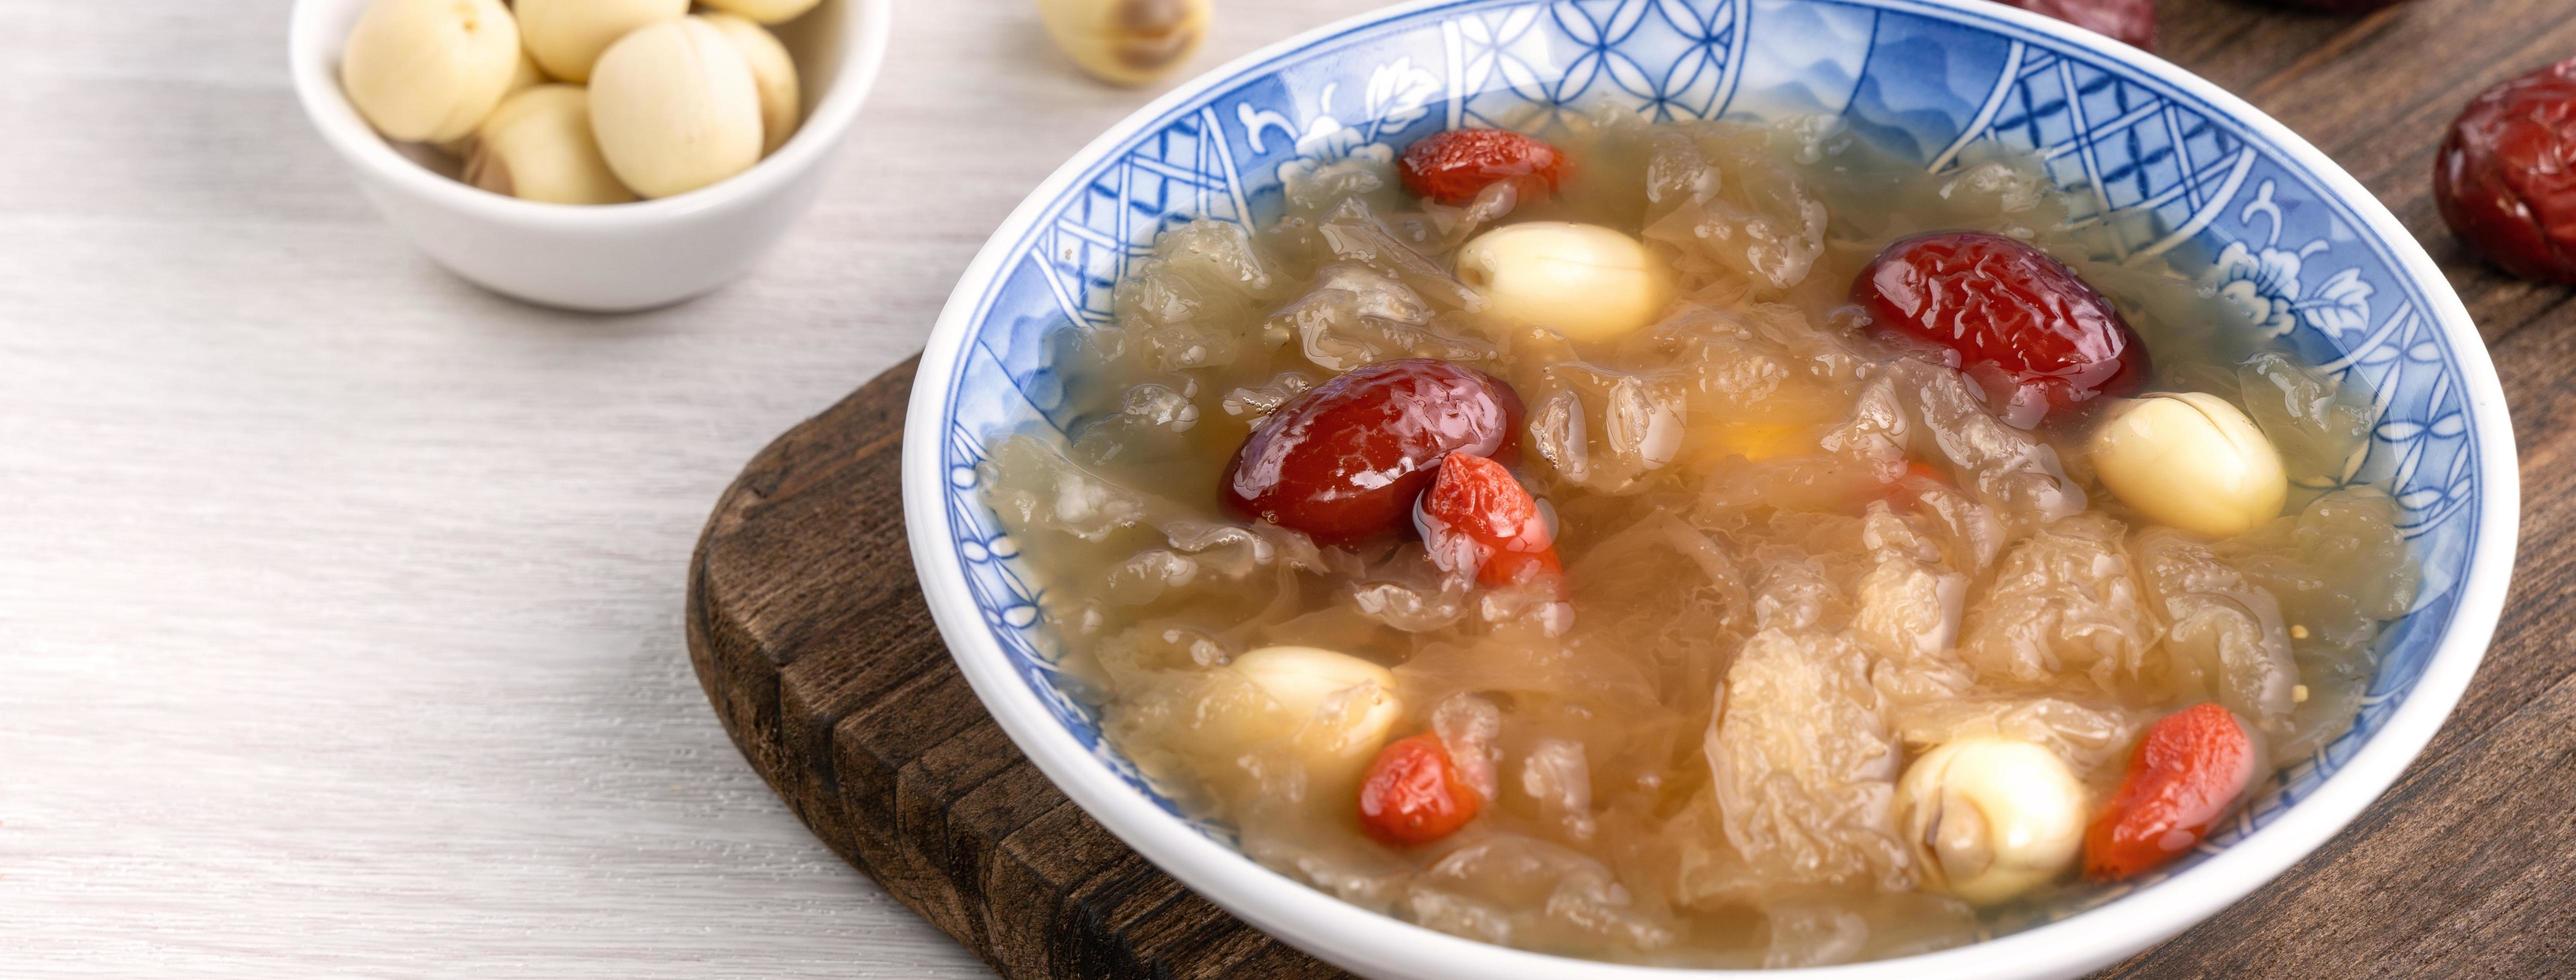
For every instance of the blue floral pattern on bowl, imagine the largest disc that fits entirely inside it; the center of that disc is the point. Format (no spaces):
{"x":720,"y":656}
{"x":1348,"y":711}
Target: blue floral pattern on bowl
{"x":2155,"y":166}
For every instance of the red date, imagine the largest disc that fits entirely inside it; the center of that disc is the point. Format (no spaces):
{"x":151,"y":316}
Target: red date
{"x":1453,"y":166}
{"x":2130,"y":21}
{"x":2505,"y":178}
{"x":2005,"y":313}
{"x":1346,"y":461}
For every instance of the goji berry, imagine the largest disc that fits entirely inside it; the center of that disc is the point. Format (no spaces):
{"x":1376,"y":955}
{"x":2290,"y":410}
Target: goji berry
{"x":1477,"y":519}
{"x":2187,"y":769}
{"x":1414,"y":794}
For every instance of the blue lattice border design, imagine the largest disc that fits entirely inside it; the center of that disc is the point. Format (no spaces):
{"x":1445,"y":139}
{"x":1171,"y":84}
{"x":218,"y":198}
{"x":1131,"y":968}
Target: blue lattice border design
{"x":2162,"y":169}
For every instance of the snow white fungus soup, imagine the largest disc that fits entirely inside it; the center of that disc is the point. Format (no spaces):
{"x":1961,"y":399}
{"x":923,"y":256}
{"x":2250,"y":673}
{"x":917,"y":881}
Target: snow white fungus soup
{"x":1699,"y":543}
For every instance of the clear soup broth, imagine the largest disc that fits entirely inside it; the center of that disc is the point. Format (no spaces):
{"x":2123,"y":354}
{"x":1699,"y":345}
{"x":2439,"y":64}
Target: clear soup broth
{"x":1791,"y":560}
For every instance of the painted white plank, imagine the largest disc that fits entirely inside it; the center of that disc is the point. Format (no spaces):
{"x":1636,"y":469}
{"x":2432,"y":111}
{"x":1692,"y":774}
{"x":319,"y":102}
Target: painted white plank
{"x":339,"y":601}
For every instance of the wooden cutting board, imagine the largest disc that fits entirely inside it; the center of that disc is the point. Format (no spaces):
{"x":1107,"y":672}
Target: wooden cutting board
{"x":811,"y":638}
{"x":813,"y":643}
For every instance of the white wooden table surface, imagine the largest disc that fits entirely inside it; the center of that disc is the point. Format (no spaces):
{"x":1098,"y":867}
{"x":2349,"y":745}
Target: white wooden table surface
{"x":340,"y":601}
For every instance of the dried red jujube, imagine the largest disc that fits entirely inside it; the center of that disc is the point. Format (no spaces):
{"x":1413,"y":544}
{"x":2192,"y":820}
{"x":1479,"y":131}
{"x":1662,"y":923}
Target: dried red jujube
{"x":1453,"y":166}
{"x":2505,"y":178}
{"x":2006,"y":314}
{"x":1345,"y":461}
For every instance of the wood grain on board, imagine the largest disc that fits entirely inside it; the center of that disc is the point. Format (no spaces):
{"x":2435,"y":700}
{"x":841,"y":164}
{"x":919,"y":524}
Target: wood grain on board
{"x":811,"y":638}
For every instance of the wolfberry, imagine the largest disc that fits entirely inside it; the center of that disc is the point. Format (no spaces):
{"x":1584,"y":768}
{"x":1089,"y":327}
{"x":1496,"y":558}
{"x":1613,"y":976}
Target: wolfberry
{"x":1414,"y":794}
{"x":1477,"y":519}
{"x":2007,"y":314}
{"x":2186,"y":771}
{"x":1453,"y":166}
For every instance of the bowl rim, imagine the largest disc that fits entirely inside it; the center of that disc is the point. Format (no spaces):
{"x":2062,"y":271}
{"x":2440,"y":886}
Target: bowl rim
{"x":1365,"y":941}
{"x":313,"y":57}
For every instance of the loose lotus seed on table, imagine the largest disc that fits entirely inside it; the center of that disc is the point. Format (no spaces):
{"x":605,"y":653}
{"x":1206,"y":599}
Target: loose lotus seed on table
{"x":1127,"y":42}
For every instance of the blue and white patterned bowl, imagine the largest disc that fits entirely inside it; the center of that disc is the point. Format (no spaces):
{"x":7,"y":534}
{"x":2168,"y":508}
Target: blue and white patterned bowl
{"x":2305,"y":250}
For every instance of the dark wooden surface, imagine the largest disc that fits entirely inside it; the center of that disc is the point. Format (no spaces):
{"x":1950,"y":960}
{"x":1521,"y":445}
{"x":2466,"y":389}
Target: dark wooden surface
{"x":812,"y":641}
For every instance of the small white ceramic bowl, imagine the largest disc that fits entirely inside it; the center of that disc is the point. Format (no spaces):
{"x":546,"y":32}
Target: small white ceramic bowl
{"x":604,"y":258}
